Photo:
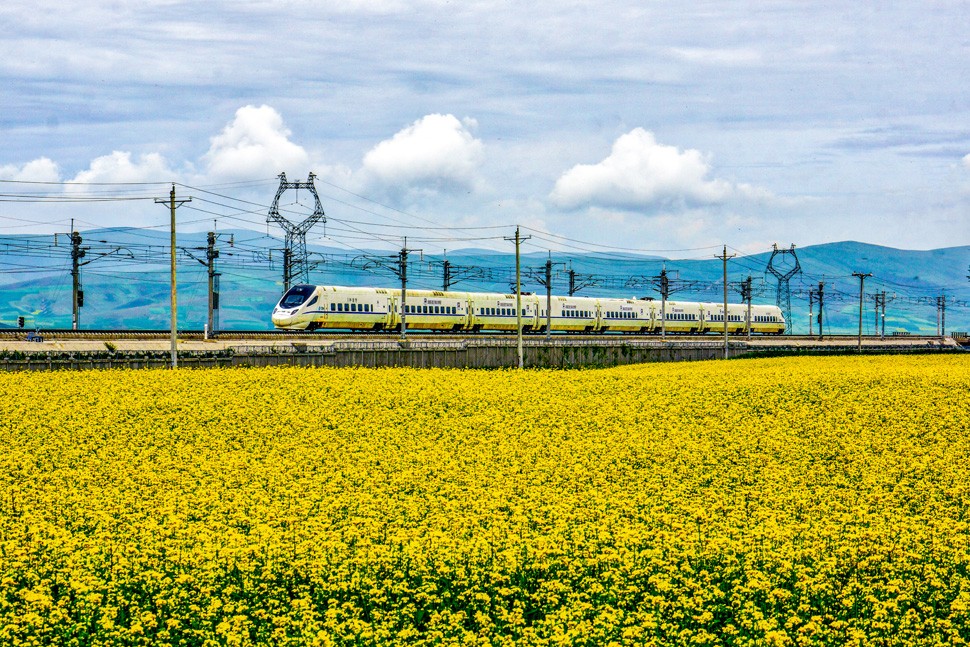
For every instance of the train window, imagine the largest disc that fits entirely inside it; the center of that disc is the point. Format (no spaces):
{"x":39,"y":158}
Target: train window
{"x":296,"y":296}
{"x":333,"y":307}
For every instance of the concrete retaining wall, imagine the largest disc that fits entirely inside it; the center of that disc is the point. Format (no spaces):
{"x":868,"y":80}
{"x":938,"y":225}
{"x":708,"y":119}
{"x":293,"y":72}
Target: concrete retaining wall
{"x":463,"y":354}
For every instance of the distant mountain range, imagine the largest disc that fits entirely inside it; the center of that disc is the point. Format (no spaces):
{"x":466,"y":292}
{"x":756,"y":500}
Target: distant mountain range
{"x":125,"y":279}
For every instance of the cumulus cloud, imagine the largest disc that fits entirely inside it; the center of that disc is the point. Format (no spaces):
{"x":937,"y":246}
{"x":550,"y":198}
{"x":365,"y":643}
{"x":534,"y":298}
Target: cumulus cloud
{"x":437,"y":152}
{"x":118,"y":167}
{"x":42,"y":169}
{"x":642,"y":173}
{"x":254,"y":144}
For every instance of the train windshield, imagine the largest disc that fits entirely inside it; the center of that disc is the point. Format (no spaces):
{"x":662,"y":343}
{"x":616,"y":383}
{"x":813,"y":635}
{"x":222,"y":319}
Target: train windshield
{"x":296,"y":296}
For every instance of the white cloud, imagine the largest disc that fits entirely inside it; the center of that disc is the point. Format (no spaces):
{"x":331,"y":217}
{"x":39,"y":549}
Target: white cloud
{"x":255,"y":144}
{"x":437,"y":152}
{"x":42,"y":169}
{"x":718,"y":56}
{"x":118,"y":167}
{"x":641,"y":173}
{"x":966,"y":161}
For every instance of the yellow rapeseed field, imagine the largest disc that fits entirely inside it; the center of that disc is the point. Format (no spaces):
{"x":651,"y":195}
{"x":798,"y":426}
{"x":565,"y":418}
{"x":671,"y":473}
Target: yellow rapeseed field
{"x":751,"y":502}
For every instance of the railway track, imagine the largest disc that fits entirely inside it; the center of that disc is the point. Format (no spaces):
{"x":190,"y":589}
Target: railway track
{"x":290,"y":335}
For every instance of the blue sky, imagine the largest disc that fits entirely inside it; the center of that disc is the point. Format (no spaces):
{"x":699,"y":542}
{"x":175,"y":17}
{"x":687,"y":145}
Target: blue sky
{"x":656,"y":126}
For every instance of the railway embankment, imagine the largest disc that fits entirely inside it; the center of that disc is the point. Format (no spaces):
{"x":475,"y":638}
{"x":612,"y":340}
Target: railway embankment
{"x":424,"y":352}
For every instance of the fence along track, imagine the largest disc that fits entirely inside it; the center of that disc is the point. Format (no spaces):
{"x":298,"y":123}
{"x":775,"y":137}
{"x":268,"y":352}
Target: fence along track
{"x":18,"y":334}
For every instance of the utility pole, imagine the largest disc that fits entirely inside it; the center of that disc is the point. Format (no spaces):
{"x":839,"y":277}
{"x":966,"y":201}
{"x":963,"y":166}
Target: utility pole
{"x":545,"y":279}
{"x":446,"y":282}
{"x":664,"y":292}
{"x":880,"y":302}
{"x":747,"y":295}
{"x":862,"y":281}
{"x":549,"y":297}
{"x":211,"y":254}
{"x":403,"y":273}
{"x":518,"y":294}
{"x":811,"y":315}
{"x":724,"y":258}
{"x":941,"y":315}
{"x":77,"y":294}
{"x":173,"y":203}
{"x":821,"y":299}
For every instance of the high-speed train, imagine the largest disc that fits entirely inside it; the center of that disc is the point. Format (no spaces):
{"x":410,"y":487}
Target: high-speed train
{"x":313,"y":307}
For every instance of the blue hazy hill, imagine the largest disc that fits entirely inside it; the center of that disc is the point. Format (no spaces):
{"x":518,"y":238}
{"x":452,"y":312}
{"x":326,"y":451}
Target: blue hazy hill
{"x":126,"y":279}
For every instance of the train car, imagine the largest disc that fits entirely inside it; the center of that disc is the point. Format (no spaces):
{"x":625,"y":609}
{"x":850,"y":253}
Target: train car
{"x":572,"y":314}
{"x":497,"y":312}
{"x":714,"y":318}
{"x":309,"y":307}
{"x":434,"y":310}
{"x":625,"y":315}
{"x":682,"y":317}
{"x":767,"y":320}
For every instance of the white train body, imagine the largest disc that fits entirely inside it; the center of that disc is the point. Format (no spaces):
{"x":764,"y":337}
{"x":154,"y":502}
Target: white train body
{"x":309,"y":307}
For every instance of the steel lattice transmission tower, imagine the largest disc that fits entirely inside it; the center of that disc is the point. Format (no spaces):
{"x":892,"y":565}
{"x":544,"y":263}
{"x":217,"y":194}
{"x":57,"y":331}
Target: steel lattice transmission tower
{"x":783,"y":299}
{"x":296,"y":266}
